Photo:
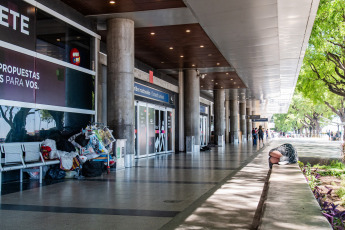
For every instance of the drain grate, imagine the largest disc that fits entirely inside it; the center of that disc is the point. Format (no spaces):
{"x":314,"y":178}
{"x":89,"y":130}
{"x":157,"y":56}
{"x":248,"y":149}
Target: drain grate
{"x":172,"y":201}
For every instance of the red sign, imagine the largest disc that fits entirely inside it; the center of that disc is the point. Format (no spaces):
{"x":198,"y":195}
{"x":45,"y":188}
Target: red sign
{"x":75,"y":56}
{"x":151,"y":76}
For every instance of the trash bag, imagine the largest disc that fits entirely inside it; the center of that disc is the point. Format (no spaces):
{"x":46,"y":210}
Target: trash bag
{"x":65,"y":145}
{"x":81,"y":140}
{"x":92,"y":168}
{"x":55,"y":174}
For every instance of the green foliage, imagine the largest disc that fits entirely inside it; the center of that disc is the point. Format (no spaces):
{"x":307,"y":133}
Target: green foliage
{"x":300,"y":164}
{"x":333,"y":165}
{"x":335,"y":168}
{"x":46,"y":116}
{"x":303,"y":113}
{"x":341,"y":194}
{"x":322,"y":76}
{"x":311,"y":176}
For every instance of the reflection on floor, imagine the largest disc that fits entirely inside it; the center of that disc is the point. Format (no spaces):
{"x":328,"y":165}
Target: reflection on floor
{"x":160,"y":192}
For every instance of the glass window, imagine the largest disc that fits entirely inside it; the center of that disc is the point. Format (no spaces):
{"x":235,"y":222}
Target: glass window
{"x":57,"y":39}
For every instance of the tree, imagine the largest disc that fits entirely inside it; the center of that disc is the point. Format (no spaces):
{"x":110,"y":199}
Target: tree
{"x":326,"y":51}
{"x":322,"y":78}
{"x":17,"y":122}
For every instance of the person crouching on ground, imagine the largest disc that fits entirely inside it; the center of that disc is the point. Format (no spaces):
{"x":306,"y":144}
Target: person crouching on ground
{"x":284,"y":154}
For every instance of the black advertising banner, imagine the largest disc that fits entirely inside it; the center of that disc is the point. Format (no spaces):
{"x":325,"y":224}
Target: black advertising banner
{"x":17,"y":76}
{"x":28,"y":79}
{"x":17,"y":23}
{"x":51,"y":85}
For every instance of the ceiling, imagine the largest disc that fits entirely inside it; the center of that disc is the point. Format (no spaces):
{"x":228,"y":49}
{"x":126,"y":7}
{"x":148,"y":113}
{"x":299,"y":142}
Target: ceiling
{"x":259,"y":43}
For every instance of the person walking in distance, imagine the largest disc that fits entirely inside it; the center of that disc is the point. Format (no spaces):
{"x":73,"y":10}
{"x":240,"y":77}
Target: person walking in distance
{"x":261,"y":135}
{"x":254,"y":136}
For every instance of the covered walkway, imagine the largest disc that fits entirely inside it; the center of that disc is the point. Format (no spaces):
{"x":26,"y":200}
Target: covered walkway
{"x":158,"y":193}
{"x":217,"y":189}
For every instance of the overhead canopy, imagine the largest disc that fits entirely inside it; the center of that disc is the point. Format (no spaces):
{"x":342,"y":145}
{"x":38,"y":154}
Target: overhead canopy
{"x":252,"y":48}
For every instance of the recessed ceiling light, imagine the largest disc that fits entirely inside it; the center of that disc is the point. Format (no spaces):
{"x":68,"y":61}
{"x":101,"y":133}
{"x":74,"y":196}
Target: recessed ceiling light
{"x":212,"y":80}
{"x":209,"y":55}
{"x":171,"y":48}
{"x":216,"y":83}
{"x":218,"y":63}
{"x":202,"y":86}
{"x":227,"y":73}
{"x":221,"y":87}
{"x":112,"y":2}
{"x":193,"y":65}
{"x":58,"y":39}
{"x":78,"y":37}
{"x":235,"y":82}
{"x":153,"y":33}
{"x":162,"y":62}
{"x":201,"y":46}
{"x":238,"y":87}
{"x":187,"y":31}
{"x":231,"y":79}
{"x":181,"y":56}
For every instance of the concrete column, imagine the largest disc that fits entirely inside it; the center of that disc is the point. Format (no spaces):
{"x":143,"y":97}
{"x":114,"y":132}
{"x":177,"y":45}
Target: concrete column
{"x":249,"y":121}
{"x":253,"y":113}
{"x":181,"y":111}
{"x":234,"y":121}
{"x":243,"y":122}
{"x":227,"y":121}
{"x":219,"y":114}
{"x":102,"y":89}
{"x":120,"y":87}
{"x":192,"y":105}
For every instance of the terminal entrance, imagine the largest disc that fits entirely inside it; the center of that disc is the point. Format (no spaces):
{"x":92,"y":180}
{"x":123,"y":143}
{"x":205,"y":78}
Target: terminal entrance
{"x":204,"y":130}
{"x":154,"y":129}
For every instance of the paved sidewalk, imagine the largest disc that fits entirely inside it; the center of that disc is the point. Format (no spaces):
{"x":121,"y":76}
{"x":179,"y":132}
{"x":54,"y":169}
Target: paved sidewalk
{"x":234,"y":204}
{"x":290,"y":203}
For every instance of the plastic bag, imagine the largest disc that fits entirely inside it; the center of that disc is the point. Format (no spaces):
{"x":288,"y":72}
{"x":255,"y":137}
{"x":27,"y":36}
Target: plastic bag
{"x":35,"y":174}
{"x":97,"y":145}
{"x":55,"y":174}
{"x":66,"y":160}
{"x":108,"y":137}
{"x":71,"y":174}
{"x":50,"y":143}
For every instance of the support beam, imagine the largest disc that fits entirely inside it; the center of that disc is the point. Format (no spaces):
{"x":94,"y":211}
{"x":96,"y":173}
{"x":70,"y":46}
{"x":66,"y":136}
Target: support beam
{"x":243,"y":122}
{"x":192,"y":105}
{"x":234,"y":121}
{"x":181,"y":111}
{"x":120,"y":87}
{"x":227,"y":121}
{"x":219,"y":115}
{"x":249,"y":121}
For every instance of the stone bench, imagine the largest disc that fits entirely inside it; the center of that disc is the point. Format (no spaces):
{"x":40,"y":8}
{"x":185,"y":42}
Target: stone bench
{"x":290,"y":203}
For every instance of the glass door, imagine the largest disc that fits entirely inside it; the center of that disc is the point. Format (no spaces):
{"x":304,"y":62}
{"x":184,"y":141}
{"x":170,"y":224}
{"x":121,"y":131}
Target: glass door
{"x":163,"y":127}
{"x":151,"y":129}
{"x":154,"y":129}
{"x":203,"y":130}
{"x":160,"y":130}
{"x":136,"y":130}
{"x":170,"y":128}
{"x":207,"y":133}
{"x":142,"y":130}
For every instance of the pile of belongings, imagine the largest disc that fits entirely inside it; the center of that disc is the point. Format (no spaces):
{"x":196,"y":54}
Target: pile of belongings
{"x":93,"y":146}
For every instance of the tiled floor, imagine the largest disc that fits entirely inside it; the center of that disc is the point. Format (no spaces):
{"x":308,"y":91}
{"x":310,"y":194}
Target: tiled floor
{"x":157,"y":193}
